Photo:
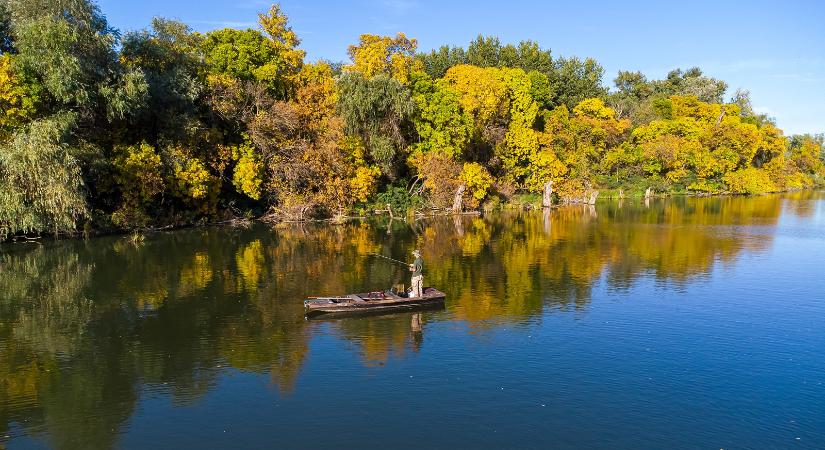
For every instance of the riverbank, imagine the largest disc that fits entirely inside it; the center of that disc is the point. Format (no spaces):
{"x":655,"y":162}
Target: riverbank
{"x":517,"y":202}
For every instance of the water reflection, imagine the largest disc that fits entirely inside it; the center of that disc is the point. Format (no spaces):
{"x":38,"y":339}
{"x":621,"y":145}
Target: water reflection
{"x":86,"y":327}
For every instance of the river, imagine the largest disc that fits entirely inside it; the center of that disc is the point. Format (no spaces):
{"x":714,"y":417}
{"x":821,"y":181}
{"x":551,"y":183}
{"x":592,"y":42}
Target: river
{"x":680,"y":323}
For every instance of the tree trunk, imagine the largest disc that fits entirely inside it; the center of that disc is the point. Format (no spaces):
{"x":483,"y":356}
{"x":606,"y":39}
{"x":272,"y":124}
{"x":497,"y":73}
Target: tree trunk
{"x":593,"y":196}
{"x":458,"y":200}
{"x":547,"y":199}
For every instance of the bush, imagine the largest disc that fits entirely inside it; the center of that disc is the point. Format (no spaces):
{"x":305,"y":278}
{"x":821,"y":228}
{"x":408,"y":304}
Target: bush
{"x":749,"y":181}
{"x":398,"y":198}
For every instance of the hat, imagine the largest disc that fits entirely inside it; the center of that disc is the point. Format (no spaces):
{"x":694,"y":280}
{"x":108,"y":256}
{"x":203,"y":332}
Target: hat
{"x":416,"y":252}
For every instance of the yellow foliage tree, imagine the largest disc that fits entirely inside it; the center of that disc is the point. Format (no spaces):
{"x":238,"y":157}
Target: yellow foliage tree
{"x":750,"y":181}
{"x":482,"y":92}
{"x":18,"y":100}
{"x":248,"y":172}
{"x":393,"y":56}
{"x":139,"y":175}
{"x":275,"y":24}
{"x":478,"y":181}
{"x":363,"y":183}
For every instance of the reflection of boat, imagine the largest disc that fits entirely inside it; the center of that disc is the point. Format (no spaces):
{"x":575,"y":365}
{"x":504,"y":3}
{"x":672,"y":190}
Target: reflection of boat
{"x":372,"y":302}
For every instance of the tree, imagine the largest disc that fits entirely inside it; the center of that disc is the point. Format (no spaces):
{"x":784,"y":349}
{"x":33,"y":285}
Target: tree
{"x":807,"y":152}
{"x":375,"y":109}
{"x":69,"y":48}
{"x":437,"y":62}
{"x":691,"y":82}
{"x":441,"y":123}
{"x":487,"y":51}
{"x":528,"y":55}
{"x":19,"y":97}
{"x":482,"y":93}
{"x":270,"y":56}
{"x":632,"y":97}
{"x":52,"y":200}
{"x":484,"y":51}
{"x":275,"y":24}
{"x":169,"y":55}
{"x":242,"y":54}
{"x":742,"y":98}
{"x":576,"y":80}
{"x":376,"y":55}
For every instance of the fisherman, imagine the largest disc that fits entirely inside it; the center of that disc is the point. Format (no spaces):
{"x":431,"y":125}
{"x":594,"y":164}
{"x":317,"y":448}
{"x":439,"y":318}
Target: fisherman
{"x":416,"y":268}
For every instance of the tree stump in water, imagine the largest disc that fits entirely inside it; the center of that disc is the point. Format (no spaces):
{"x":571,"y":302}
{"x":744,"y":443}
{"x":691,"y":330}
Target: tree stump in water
{"x":547,"y":199}
{"x":458,"y":200}
{"x":593,"y":196}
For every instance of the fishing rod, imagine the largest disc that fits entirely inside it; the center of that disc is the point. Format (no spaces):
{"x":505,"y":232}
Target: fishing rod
{"x":390,"y":259}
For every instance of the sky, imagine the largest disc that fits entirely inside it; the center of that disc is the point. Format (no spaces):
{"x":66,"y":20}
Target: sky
{"x":776,"y":50}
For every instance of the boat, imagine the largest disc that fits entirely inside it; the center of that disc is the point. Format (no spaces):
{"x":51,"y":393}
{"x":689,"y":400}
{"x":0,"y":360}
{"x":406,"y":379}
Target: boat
{"x":372,"y":302}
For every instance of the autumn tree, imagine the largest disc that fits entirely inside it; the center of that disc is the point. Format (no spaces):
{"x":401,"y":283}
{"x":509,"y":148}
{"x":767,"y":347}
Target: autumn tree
{"x":441,"y":123}
{"x":390,"y":56}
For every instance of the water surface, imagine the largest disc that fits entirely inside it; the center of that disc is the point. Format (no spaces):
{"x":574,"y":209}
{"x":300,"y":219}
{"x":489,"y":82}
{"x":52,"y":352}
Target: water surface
{"x":683,"y":323}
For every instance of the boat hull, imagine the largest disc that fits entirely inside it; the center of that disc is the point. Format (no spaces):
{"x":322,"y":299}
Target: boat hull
{"x":372,"y":303}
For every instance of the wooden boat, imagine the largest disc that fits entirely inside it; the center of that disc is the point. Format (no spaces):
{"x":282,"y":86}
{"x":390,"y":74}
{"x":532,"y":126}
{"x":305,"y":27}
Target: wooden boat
{"x":371,"y":302}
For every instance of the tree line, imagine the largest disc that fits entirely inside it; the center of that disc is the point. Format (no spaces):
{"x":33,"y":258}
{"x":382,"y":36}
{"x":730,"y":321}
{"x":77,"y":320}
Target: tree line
{"x":103,"y":130}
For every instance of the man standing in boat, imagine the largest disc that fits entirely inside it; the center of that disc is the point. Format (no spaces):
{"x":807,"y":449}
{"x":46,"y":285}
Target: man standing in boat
{"x":417,"y":268}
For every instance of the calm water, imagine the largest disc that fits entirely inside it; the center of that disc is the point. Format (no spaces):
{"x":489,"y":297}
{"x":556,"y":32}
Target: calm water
{"x":687,"y":323}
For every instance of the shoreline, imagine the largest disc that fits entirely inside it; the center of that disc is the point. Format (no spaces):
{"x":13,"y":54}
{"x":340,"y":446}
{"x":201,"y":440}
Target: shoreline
{"x":139,"y":234}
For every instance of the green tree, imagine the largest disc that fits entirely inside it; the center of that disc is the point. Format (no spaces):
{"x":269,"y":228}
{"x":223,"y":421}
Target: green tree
{"x":437,"y":62}
{"x":376,"y":109}
{"x":169,"y":56}
{"x":576,"y":80}
{"x":70,"y":49}
{"x":440,"y":122}
{"x":52,"y":200}
{"x":484,"y":51}
{"x":692,"y":82}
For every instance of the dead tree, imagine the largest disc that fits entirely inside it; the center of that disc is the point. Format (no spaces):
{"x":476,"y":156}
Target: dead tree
{"x":458,"y":200}
{"x":547,"y":199}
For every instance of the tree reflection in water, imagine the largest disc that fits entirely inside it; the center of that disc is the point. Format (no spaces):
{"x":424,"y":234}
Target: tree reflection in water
{"x":86,"y":326}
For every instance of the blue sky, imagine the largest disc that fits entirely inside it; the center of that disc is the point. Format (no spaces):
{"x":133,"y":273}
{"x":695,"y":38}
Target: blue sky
{"x":774,"y":49}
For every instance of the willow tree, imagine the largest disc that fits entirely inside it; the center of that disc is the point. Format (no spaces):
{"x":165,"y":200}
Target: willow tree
{"x":65,"y":51}
{"x":40,"y":184}
{"x":375,"y":109}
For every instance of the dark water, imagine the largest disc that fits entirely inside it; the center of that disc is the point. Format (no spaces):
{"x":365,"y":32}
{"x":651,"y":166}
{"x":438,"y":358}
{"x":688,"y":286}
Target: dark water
{"x":688,"y":323}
